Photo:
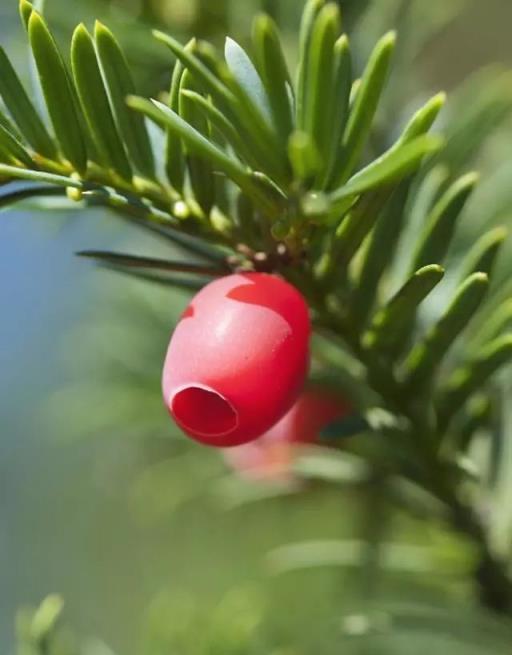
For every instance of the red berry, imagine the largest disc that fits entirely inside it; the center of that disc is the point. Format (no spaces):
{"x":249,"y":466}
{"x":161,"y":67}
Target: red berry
{"x":237,"y":359}
{"x":271,"y":455}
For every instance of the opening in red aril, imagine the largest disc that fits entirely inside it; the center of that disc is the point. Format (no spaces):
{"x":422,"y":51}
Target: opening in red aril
{"x":204,"y":412}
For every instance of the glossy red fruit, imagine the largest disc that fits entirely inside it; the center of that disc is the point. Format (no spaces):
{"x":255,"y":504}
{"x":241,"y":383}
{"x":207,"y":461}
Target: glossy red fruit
{"x":237,"y":359}
{"x":271,"y":456}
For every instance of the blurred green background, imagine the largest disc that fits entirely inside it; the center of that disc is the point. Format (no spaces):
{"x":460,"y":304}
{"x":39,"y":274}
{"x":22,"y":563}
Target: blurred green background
{"x":145,"y":535}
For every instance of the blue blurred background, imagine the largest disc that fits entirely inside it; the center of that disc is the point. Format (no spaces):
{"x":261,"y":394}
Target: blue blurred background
{"x":79,"y":513}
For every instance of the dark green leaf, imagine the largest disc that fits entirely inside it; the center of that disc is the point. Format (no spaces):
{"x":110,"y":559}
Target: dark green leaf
{"x":124,"y":260}
{"x":263,"y":138}
{"x":425,"y":196}
{"x":389,"y":227}
{"x":58,"y":93}
{"x":321,"y":91}
{"x":164,"y":279}
{"x":304,"y":156}
{"x":23,"y":113}
{"x":10,"y":127}
{"x":392,"y":325}
{"x":392,"y":166}
{"x":120,"y":85}
{"x":26,"y":9}
{"x":190,"y":244}
{"x":470,"y":377}
{"x":311,"y":11}
{"x":422,"y":198}
{"x":342,"y":82}
{"x":269,"y":186}
{"x":221,"y":123}
{"x":205,"y":148}
{"x":496,"y":321}
{"x":130,"y":205}
{"x":242,"y":68}
{"x":194,"y":139}
{"x":379,"y":253}
{"x":274,"y":73}
{"x":365,"y":106}
{"x":423,"y":119}
{"x":259,"y":136}
{"x":16,"y":173}
{"x":200,"y":173}
{"x":233,"y":100}
{"x":355,"y":227}
{"x":427,"y":355}
{"x":174,"y":158}
{"x":437,"y":234}
{"x":19,"y":194}
{"x":209,"y":82}
{"x":5,"y":158}
{"x":484,"y":253}
{"x":11,"y":146}
{"x":95,"y":104}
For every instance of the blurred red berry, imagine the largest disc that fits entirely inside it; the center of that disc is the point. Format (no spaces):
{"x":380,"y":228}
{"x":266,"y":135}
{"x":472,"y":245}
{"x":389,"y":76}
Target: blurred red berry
{"x":237,"y":359}
{"x":271,"y":456}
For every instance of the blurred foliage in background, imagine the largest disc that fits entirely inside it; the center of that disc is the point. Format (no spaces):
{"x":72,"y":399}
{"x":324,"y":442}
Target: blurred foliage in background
{"x":162,"y":550}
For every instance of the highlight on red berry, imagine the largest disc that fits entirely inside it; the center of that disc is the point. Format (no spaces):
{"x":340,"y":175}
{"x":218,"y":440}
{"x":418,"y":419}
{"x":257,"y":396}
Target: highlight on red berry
{"x":271,"y":456}
{"x":237,"y":359}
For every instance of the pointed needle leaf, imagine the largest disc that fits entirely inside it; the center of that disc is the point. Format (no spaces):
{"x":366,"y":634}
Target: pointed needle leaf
{"x":304,"y":156}
{"x":484,"y":253}
{"x":15,"y":173}
{"x":26,"y":192}
{"x":58,"y":93}
{"x":392,"y":166}
{"x":321,"y":91}
{"x":13,"y":148}
{"x":392,"y":325}
{"x":174,"y":156}
{"x":342,"y":84}
{"x":365,"y":106}
{"x":232,"y":99}
{"x":355,"y":226}
{"x":470,"y":377}
{"x":426,"y":356}
{"x":163,"y":279}
{"x":496,"y":321}
{"x":136,"y":261}
{"x":205,"y":148}
{"x":380,"y":252}
{"x":311,"y":11}
{"x":437,"y":234}
{"x":201,"y":178}
{"x":10,"y":126}
{"x":274,"y":73}
{"x":120,"y":85}
{"x":26,"y":9}
{"x":240,"y":64}
{"x":95,"y":103}
{"x":22,"y":111}
{"x":220,"y":122}
{"x":209,"y":82}
{"x":424,"y":118}
{"x":390,"y":224}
